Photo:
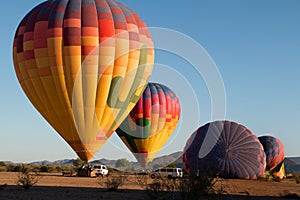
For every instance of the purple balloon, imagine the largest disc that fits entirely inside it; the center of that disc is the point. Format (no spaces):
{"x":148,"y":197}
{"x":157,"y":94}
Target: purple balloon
{"x":236,"y":152}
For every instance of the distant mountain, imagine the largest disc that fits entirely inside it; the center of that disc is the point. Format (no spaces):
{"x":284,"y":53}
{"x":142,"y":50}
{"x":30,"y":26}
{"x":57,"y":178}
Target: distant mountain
{"x":292,"y":164}
{"x":175,"y":158}
{"x":44,"y":162}
{"x":295,"y":159}
{"x":107,"y":162}
{"x":289,"y":161}
{"x":7,"y":162}
{"x":57,"y":162}
{"x":157,"y":162}
{"x":64,"y":162}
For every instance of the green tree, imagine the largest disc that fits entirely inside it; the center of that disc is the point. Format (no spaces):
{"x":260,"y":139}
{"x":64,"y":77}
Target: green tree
{"x":18,"y":168}
{"x":171,"y":165}
{"x":123,"y":164}
{"x":10,"y":167}
{"x":78,"y":163}
{"x":58,"y":168}
{"x":44,"y":168}
{"x":3,"y":167}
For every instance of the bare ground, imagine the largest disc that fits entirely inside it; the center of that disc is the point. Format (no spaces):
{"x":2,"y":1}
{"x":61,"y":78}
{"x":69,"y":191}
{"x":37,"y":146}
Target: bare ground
{"x":55,"y":186}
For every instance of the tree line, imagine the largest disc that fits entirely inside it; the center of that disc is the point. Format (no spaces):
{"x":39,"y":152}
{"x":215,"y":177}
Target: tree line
{"x":35,"y":168}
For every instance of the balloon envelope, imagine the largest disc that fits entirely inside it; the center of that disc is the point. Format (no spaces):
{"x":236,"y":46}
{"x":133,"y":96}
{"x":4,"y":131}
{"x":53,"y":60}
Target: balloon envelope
{"x":83,"y":65}
{"x":151,"y":122}
{"x":236,"y":152}
{"x":274,"y":150}
{"x":279,"y":171}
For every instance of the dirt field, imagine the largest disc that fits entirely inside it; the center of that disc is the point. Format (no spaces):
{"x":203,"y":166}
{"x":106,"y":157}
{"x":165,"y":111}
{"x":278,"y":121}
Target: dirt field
{"x":55,"y":186}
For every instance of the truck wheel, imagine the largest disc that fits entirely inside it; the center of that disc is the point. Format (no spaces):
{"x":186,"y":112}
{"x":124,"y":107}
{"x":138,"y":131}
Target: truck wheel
{"x":152,"y":176}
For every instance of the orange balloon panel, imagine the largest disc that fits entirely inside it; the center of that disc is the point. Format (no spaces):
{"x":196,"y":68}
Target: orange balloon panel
{"x":83,"y":65}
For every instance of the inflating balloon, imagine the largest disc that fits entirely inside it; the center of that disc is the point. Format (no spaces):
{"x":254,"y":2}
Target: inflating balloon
{"x":236,"y":152}
{"x":151,"y":122}
{"x":274,"y":150}
{"x":83,"y":65}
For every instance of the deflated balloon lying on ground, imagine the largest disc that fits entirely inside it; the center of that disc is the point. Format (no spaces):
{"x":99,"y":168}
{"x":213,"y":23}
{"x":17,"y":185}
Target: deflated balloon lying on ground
{"x":235,"y":151}
{"x":83,"y":65}
{"x":151,"y":122}
{"x":274,"y":151}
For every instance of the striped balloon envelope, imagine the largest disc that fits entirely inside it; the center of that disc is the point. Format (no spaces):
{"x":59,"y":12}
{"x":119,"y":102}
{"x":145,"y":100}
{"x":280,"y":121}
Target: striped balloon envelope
{"x":236,"y":152}
{"x":274,"y":150}
{"x":151,"y":122}
{"x":83,"y":64}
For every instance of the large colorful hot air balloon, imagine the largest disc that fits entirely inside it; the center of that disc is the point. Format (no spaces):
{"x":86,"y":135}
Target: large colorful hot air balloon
{"x":150,"y":123}
{"x":236,"y":151}
{"x":274,"y":150}
{"x":83,"y":65}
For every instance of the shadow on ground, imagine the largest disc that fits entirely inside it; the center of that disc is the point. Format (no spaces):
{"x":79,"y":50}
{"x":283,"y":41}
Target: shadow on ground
{"x":11,"y":192}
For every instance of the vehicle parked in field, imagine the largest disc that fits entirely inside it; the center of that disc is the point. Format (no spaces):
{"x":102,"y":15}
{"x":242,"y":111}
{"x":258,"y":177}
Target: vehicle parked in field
{"x":100,"y":170}
{"x":93,"y":170}
{"x":167,"y":172}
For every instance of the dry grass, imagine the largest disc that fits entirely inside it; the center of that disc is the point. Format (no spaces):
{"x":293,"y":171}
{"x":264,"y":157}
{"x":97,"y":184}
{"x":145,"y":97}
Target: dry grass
{"x":27,"y":178}
{"x":56,"y":186}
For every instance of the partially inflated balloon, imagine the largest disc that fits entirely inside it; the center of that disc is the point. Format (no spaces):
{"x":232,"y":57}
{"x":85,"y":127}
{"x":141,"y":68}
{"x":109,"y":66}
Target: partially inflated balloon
{"x":83,"y":65}
{"x":151,"y":122}
{"x":279,"y":171}
{"x":274,"y":150}
{"x":236,"y":151}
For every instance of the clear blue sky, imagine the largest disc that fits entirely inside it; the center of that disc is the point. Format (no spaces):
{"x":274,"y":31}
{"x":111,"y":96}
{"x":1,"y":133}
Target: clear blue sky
{"x":254,"y":44}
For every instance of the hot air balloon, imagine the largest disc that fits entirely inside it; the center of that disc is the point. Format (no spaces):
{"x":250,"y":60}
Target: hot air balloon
{"x":150,"y":123}
{"x":236,"y":152}
{"x":83,"y":65}
{"x":274,"y":151}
